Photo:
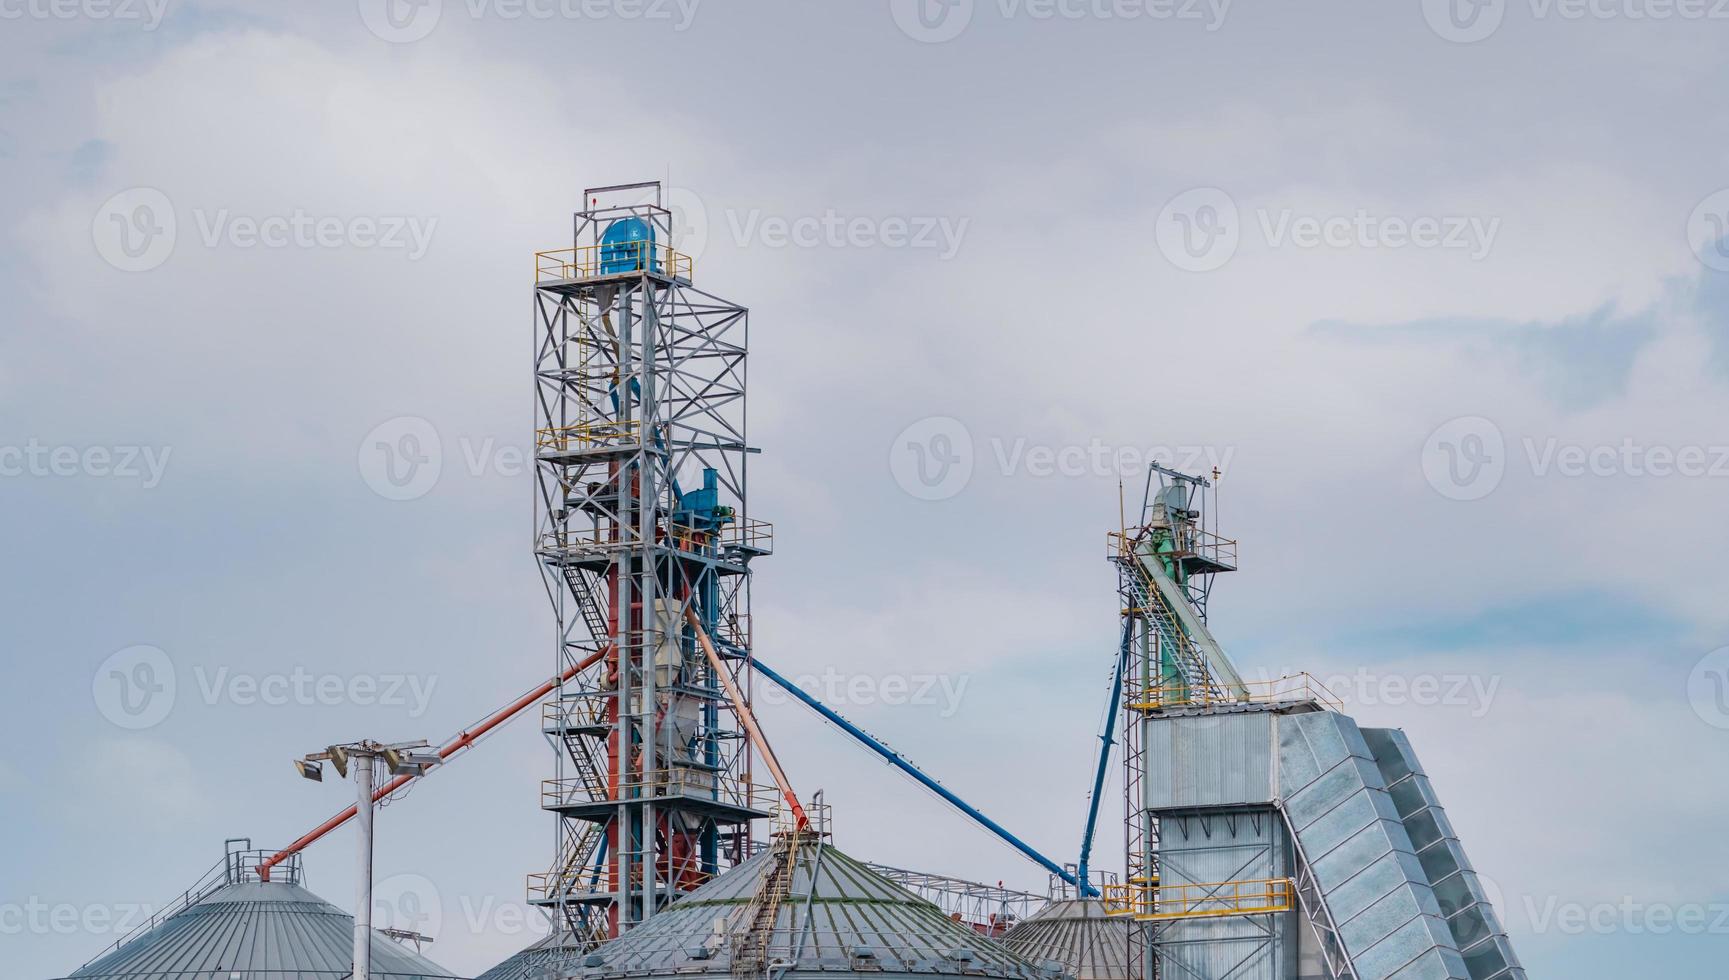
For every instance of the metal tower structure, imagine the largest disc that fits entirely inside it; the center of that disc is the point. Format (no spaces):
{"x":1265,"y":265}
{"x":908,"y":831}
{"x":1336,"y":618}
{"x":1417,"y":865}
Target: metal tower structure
{"x":1173,"y":541}
{"x":1269,"y":837}
{"x":641,"y":520}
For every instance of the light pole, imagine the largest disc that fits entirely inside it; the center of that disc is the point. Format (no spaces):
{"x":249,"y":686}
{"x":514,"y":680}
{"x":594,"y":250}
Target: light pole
{"x":362,"y":757}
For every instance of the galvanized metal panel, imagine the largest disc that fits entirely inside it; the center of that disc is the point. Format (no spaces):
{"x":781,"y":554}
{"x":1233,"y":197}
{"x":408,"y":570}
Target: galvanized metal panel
{"x":1078,"y":935}
{"x":257,"y":929}
{"x":1350,"y":830}
{"x":836,"y":907}
{"x":1207,"y":848}
{"x":1210,"y":761}
{"x":1475,"y":928}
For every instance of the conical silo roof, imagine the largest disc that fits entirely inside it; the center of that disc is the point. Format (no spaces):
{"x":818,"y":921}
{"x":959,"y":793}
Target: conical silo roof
{"x":272,"y":930}
{"x":552,"y":958}
{"x":1077,"y":934}
{"x":836,"y":916}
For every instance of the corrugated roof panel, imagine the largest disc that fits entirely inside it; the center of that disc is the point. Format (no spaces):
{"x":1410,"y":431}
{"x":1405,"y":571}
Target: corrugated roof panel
{"x":263,"y":930}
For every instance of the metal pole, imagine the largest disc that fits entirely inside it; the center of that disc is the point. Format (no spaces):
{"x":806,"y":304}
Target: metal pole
{"x":363,"y":904}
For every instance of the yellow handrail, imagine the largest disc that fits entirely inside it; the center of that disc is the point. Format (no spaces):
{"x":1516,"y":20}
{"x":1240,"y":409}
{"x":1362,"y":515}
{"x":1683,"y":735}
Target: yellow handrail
{"x":584,"y":435}
{"x":612,"y":259}
{"x":1154,"y":902}
{"x":1291,"y":687}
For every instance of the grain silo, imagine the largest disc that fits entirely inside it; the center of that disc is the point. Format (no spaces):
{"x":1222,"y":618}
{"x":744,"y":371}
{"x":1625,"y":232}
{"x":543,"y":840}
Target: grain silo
{"x":1077,"y":934}
{"x":802,"y":908}
{"x":232,"y":925}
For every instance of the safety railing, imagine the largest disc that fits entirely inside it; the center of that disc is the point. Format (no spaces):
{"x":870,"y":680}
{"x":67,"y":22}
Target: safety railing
{"x":1292,"y":688}
{"x":1187,"y":541}
{"x":612,"y":259}
{"x":584,"y":711}
{"x":549,"y":885}
{"x":586,"y":435}
{"x":748,"y":534}
{"x":665,"y":784}
{"x":1153,"y":902}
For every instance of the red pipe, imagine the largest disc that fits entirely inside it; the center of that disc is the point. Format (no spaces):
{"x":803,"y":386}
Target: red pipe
{"x":457,"y":744}
{"x":748,"y":719}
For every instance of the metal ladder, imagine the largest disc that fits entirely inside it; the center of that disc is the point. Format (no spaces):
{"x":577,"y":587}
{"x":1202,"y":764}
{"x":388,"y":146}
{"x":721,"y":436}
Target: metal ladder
{"x":1149,"y":601}
{"x":750,"y":947}
{"x":584,"y":584}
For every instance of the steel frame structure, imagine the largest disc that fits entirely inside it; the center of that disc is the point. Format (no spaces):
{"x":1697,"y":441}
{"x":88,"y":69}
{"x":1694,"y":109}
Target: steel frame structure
{"x":641,"y":519}
{"x":1157,"y":653}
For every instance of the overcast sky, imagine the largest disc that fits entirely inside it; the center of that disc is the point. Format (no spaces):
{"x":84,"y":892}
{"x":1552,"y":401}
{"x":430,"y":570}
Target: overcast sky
{"x":1440,"y":290}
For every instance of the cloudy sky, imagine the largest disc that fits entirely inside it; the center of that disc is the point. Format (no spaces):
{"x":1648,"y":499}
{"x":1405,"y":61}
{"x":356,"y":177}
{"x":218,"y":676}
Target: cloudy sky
{"x":1441,"y":290}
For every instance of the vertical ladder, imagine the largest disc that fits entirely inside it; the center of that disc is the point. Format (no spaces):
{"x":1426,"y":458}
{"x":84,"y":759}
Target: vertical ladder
{"x":750,"y":946}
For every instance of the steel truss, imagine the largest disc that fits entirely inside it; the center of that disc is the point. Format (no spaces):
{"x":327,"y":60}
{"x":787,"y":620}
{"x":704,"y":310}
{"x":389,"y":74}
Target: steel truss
{"x":640,"y":514}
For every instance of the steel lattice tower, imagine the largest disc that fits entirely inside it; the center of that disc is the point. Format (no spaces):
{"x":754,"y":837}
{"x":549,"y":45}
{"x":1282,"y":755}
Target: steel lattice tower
{"x":640,"y":515}
{"x":1160,"y":659}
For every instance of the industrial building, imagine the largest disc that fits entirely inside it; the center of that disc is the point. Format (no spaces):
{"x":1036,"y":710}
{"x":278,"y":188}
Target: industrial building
{"x":1267,"y":834}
